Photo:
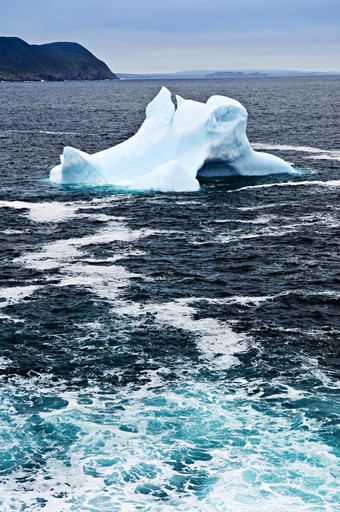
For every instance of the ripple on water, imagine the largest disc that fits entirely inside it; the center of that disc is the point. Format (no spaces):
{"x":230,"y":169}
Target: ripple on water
{"x":169,"y":351}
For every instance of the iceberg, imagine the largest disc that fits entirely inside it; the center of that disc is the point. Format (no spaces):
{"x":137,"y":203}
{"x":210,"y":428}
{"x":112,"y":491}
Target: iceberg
{"x":171,"y":147}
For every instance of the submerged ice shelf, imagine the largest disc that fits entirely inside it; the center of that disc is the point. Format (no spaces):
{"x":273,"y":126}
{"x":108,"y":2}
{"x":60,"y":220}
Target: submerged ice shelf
{"x":171,"y":147}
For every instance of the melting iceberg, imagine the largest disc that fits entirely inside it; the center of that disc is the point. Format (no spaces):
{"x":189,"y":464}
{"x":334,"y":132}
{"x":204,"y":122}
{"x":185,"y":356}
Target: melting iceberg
{"x":170,"y":148}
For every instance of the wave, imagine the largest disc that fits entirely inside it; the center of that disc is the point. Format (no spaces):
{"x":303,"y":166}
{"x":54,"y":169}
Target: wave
{"x":262,"y":206}
{"x":329,"y":183}
{"x":46,"y":132}
{"x":15,"y":294}
{"x":216,"y":341}
{"x":255,"y":301}
{"x":59,"y":212}
{"x":162,"y":445}
{"x":43,"y":212}
{"x":261,"y":219}
{"x":286,"y":147}
{"x":54,"y":254}
{"x":318,"y":154}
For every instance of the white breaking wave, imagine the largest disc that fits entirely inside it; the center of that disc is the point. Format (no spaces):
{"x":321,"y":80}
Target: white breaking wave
{"x":46,"y":132}
{"x":329,"y":183}
{"x":77,"y":269}
{"x":314,"y":153}
{"x":15,"y":294}
{"x":261,"y":219}
{"x":13,"y":231}
{"x":311,"y":221}
{"x":67,"y":251}
{"x":59,"y":212}
{"x":5,"y":362}
{"x":257,"y":300}
{"x":43,"y":212}
{"x":105,"y":281}
{"x":238,"y":236}
{"x":262,"y":206}
{"x":286,"y":147}
{"x":218,"y":343}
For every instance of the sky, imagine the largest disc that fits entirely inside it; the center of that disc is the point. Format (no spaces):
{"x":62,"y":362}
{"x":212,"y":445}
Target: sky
{"x":149,"y":36}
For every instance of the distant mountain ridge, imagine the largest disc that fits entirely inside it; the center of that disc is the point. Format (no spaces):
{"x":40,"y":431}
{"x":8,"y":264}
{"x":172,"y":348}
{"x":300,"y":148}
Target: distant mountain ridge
{"x":233,"y":74}
{"x":20,"y":61}
{"x":255,"y":73}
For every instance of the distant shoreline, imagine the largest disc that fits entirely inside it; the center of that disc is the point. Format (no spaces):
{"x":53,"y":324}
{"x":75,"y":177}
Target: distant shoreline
{"x":223,"y":75}
{"x":35,"y":81}
{"x":160,"y":79}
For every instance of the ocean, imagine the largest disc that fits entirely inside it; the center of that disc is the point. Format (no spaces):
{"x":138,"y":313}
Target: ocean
{"x":170,"y":351}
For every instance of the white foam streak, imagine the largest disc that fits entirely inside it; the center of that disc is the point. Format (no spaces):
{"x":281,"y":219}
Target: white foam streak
{"x":329,"y":183}
{"x":286,"y":147}
{"x":261,"y":219}
{"x":267,"y":232}
{"x":43,"y":212}
{"x":59,"y":212}
{"x":56,"y":253}
{"x":217,"y":341}
{"x":106,"y":281}
{"x":5,"y":362}
{"x":15,"y":294}
{"x":76,"y":268}
{"x":314,"y":153}
{"x":251,"y":301}
{"x":262,"y":206}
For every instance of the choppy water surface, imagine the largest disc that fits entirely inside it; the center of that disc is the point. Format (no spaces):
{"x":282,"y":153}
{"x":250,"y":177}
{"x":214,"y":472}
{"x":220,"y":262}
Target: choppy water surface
{"x":169,"y":351}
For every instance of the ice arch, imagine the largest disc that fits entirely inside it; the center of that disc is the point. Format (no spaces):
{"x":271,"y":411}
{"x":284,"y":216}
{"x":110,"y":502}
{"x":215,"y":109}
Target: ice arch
{"x":170,"y":148}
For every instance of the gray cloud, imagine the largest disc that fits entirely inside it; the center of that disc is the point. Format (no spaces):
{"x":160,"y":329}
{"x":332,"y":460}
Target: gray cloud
{"x":184,"y":34}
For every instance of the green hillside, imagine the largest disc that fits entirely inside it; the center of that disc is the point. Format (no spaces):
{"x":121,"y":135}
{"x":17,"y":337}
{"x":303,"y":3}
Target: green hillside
{"x":21,"y":61}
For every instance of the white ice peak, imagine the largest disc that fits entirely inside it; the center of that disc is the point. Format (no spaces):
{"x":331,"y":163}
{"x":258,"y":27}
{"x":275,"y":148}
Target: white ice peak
{"x":170,"y":148}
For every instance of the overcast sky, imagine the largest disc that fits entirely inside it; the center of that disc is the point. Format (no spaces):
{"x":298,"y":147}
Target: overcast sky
{"x":162,"y":36}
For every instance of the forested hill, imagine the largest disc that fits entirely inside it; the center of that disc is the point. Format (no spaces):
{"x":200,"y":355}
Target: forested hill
{"x":20,"y":61}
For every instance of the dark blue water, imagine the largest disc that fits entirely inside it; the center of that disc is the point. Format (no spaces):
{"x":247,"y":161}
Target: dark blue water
{"x":169,"y":351}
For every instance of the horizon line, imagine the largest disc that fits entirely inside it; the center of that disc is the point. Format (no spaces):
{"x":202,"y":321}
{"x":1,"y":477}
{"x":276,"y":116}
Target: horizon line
{"x":235,"y":70}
